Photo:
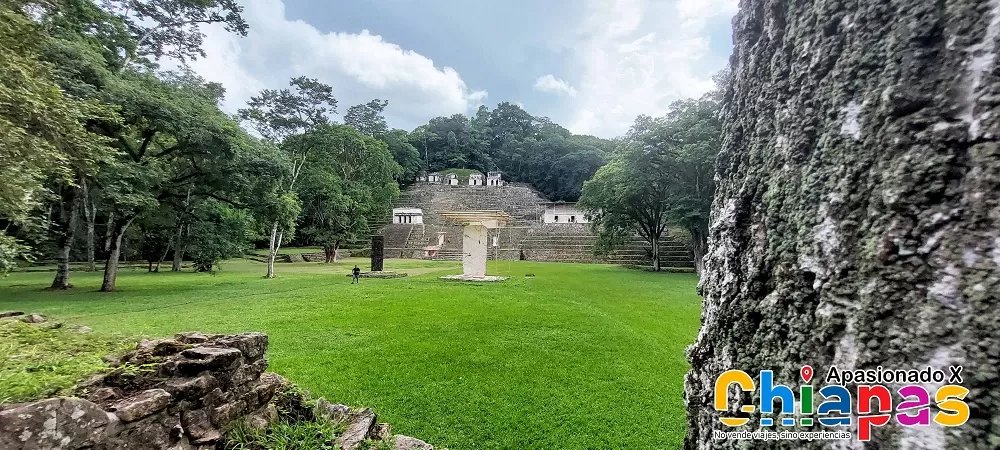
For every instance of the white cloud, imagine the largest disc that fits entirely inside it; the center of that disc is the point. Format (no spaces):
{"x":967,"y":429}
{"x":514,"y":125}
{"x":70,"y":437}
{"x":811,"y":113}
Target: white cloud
{"x":638,"y":57}
{"x":359,"y":66}
{"x":549,"y":83}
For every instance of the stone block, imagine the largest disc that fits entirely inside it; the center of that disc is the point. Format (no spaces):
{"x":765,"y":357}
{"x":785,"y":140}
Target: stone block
{"x":54,"y":423}
{"x":401,"y":442}
{"x":359,"y":429}
{"x":144,"y":404}
{"x":199,"y":359}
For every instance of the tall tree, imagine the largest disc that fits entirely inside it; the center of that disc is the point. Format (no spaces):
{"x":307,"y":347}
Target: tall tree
{"x":856,"y":217}
{"x":279,"y":115}
{"x":348,"y":182}
{"x":405,"y":154}
{"x":626,"y":198}
{"x":44,"y":140}
{"x":368,"y":118}
{"x":686,"y":143}
{"x":175,"y":144}
{"x":172,"y":28}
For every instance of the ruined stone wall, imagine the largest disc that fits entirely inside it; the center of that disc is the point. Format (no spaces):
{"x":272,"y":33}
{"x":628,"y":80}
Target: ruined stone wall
{"x":182,"y":394}
{"x":173,"y":393}
{"x":857,"y":216}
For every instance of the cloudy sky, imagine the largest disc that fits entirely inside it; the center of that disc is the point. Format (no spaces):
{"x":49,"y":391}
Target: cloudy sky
{"x":591,"y":66}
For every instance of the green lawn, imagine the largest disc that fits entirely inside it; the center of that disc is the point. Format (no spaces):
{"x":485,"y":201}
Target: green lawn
{"x":577,"y":357}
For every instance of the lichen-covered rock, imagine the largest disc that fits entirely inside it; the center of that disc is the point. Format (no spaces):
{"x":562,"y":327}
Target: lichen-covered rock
{"x":333,"y":412}
{"x":401,"y":442}
{"x":857,"y":215}
{"x":359,"y":429}
{"x":165,"y":394}
{"x":142,"y":405}
{"x":380,"y":432}
{"x":55,"y":423}
{"x":34,"y":318}
{"x":200,"y":359}
{"x":198,"y":426}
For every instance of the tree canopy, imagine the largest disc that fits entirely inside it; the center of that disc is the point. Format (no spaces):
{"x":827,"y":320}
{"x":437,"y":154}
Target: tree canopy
{"x":660,"y":176}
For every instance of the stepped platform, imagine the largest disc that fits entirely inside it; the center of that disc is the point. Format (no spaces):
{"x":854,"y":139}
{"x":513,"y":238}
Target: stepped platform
{"x":525,"y":237}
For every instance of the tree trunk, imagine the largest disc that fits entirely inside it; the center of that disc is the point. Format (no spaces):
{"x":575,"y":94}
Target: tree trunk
{"x":178,"y":248}
{"x":114,"y":253}
{"x":699,"y":245}
{"x":109,"y":232}
{"x":856,"y":217}
{"x":69,"y":204}
{"x":90,"y":214}
{"x":656,"y":252}
{"x":273,"y":249}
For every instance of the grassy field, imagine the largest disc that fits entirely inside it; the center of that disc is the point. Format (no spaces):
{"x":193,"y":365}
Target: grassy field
{"x":576,"y":357}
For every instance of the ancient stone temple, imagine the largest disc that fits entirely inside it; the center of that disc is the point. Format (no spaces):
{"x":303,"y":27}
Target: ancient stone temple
{"x":538,"y":230}
{"x":857,"y":217}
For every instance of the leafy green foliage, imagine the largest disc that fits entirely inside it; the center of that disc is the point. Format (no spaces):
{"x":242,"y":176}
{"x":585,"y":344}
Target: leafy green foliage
{"x":278,"y":114}
{"x":220,"y":232}
{"x":405,"y":154}
{"x":347,"y":182}
{"x":44,"y":134}
{"x":283,"y":435}
{"x":661,"y":175}
{"x":525,"y":148}
{"x":172,"y":27}
{"x":368,"y":118}
{"x":42,"y":360}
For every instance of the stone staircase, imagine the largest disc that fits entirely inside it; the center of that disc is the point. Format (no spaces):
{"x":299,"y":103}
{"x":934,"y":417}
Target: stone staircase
{"x":525,"y":237}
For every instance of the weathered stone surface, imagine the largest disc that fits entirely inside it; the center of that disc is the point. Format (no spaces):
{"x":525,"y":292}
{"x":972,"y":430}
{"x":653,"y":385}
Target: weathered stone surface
{"x":263,"y":417}
{"x":401,"y":442}
{"x":142,"y":405}
{"x":252,"y":345}
{"x":159,"y":431}
{"x":381,"y":431}
{"x":190,"y":387}
{"x":198,"y":426}
{"x":248,"y":372}
{"x":11,"y":314}
{"x":153,"y":407}
{"x":378,"y":253}
{"x":34,"y":318}
{"x":857,"y":217}
{"x":193,"y":337}
{"x":104,"y":395}
{"x":333,"y":412}
{"x":200,"y":359}
{"x":54,"y":423}
{"x":358,"y":430}
{"x":228,"y":412}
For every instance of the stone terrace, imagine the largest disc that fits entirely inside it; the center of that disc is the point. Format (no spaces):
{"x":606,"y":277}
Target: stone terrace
{"x":526,"y":236}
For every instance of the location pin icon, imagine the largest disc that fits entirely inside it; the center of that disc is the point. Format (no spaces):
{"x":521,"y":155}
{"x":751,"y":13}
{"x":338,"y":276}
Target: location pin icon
{"x":806,"y":372}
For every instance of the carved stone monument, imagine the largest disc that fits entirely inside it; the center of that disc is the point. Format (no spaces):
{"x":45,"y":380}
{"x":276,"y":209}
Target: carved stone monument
{"x":378,"y":252}
{"x":474,"y":242}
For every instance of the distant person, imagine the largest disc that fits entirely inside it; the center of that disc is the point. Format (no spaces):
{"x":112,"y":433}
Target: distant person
{"x":357,"y":275}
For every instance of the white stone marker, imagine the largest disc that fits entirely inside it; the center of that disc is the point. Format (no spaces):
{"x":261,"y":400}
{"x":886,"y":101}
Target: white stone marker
{"x":474,"y":242}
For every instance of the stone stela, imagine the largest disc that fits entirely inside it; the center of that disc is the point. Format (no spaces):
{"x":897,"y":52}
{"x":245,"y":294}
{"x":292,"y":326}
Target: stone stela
{"x":474,"y":241}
